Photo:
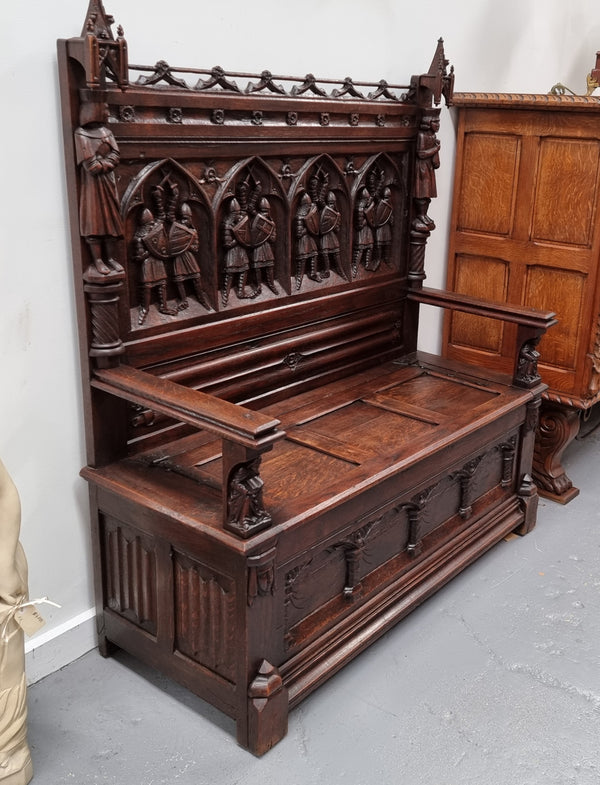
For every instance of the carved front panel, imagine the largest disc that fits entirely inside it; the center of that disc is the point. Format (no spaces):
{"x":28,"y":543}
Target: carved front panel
{"x":334,"y":576}
{"x":204,"y":607}
{"x":130,"y":574}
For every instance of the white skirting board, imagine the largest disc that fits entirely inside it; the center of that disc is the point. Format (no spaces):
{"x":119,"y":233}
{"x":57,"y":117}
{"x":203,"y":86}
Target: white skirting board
{"x":49,"y":652}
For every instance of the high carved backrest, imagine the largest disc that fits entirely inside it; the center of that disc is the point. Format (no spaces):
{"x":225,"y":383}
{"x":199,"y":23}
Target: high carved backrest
{"x":247,"y":236}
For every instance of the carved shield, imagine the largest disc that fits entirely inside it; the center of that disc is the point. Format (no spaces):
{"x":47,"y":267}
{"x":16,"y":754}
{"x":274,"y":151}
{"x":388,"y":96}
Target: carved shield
{"x":262,"y":229}
{"x":369,"y":213}
{"x":329,"y":220}
{"x":383,"y":213}
{"x":181,"y":238}
{"x":155,"y":241}
{"x":311,"y":219}
{"x":242,"y":231}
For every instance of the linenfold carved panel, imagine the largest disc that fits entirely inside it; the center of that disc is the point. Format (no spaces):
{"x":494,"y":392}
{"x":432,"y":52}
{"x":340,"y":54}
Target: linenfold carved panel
{"x":204,"y":607}
{"x":130,"y":574}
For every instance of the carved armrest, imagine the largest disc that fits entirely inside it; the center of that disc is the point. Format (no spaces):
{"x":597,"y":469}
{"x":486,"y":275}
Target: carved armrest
{"x":245,"y":435}
{"x":531,"y":323}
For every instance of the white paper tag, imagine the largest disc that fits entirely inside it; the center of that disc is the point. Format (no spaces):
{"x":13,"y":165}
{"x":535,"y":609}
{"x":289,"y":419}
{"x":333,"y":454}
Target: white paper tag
{"x":29,"y":619}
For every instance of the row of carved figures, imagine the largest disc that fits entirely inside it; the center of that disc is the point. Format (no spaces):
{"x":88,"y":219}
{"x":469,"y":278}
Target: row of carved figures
{"x":166,"y":242}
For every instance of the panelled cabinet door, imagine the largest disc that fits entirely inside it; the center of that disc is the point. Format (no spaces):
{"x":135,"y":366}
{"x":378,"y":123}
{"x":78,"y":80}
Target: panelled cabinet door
{"x":525,"y":230}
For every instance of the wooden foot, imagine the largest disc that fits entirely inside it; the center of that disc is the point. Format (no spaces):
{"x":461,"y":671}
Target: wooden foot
{"x":558,"y":426}
{"x":267,"y":709}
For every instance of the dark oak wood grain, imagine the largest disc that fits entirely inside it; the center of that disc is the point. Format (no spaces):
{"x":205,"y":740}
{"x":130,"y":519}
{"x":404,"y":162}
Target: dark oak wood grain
{"x":276,"y":474}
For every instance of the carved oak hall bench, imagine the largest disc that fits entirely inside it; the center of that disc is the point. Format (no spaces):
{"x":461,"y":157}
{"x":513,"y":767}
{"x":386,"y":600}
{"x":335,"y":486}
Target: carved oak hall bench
{"x":276,"y":475}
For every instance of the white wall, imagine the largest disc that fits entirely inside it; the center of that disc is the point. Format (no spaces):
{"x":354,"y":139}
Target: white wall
{"x":513,"y":46}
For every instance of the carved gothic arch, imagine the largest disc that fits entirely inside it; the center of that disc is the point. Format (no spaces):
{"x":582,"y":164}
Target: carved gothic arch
{"x":380,"y":190}
{"x":164,"y":187}
{"x":253,"y":187}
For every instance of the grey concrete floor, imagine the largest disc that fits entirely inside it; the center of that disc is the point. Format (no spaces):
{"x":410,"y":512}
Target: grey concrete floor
{"x":493,"y":681}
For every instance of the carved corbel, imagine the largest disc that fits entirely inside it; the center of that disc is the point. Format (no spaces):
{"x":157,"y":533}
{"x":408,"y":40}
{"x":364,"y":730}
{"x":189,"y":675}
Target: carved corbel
{"x":261,"y":575}
{"x":245,"y":513}
{"x":526,"y":374}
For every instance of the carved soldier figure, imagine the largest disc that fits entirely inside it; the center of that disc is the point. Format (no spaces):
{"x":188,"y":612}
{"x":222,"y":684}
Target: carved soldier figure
{"x":183,"y":244}
{"x":245,"y":502}
{"x":428,"y":160}
{"x":383,"y":221}
{"x":329,"y":243}
{"x":307,"y":228}
{"x":99,"y":216}
{"x":150,"y":250}
{"x":236,"y":237}
{"x":263,"y":233}
{"x":363,"y":248}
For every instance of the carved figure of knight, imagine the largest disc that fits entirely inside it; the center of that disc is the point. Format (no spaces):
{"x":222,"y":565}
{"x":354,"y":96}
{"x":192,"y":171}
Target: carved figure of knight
{"x":183,"y":245}
{"x":263,"y":233}
{"x":150,"y":251}
{"x":428,"y":160}
{"x":383,"y":221}
{"x":363,"y":246}
{"x":15,"y":758}
{"x":236,"y":238}
{"x":329,"y":243}
{"x":99,"y":215}
{"x":307,"y":229}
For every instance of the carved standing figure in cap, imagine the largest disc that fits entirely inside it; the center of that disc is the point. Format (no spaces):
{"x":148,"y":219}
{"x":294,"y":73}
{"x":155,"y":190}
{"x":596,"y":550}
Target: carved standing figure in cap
{"x":428,"y":160}
{"x":15,"y":758}
{"x":99,"y":215}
